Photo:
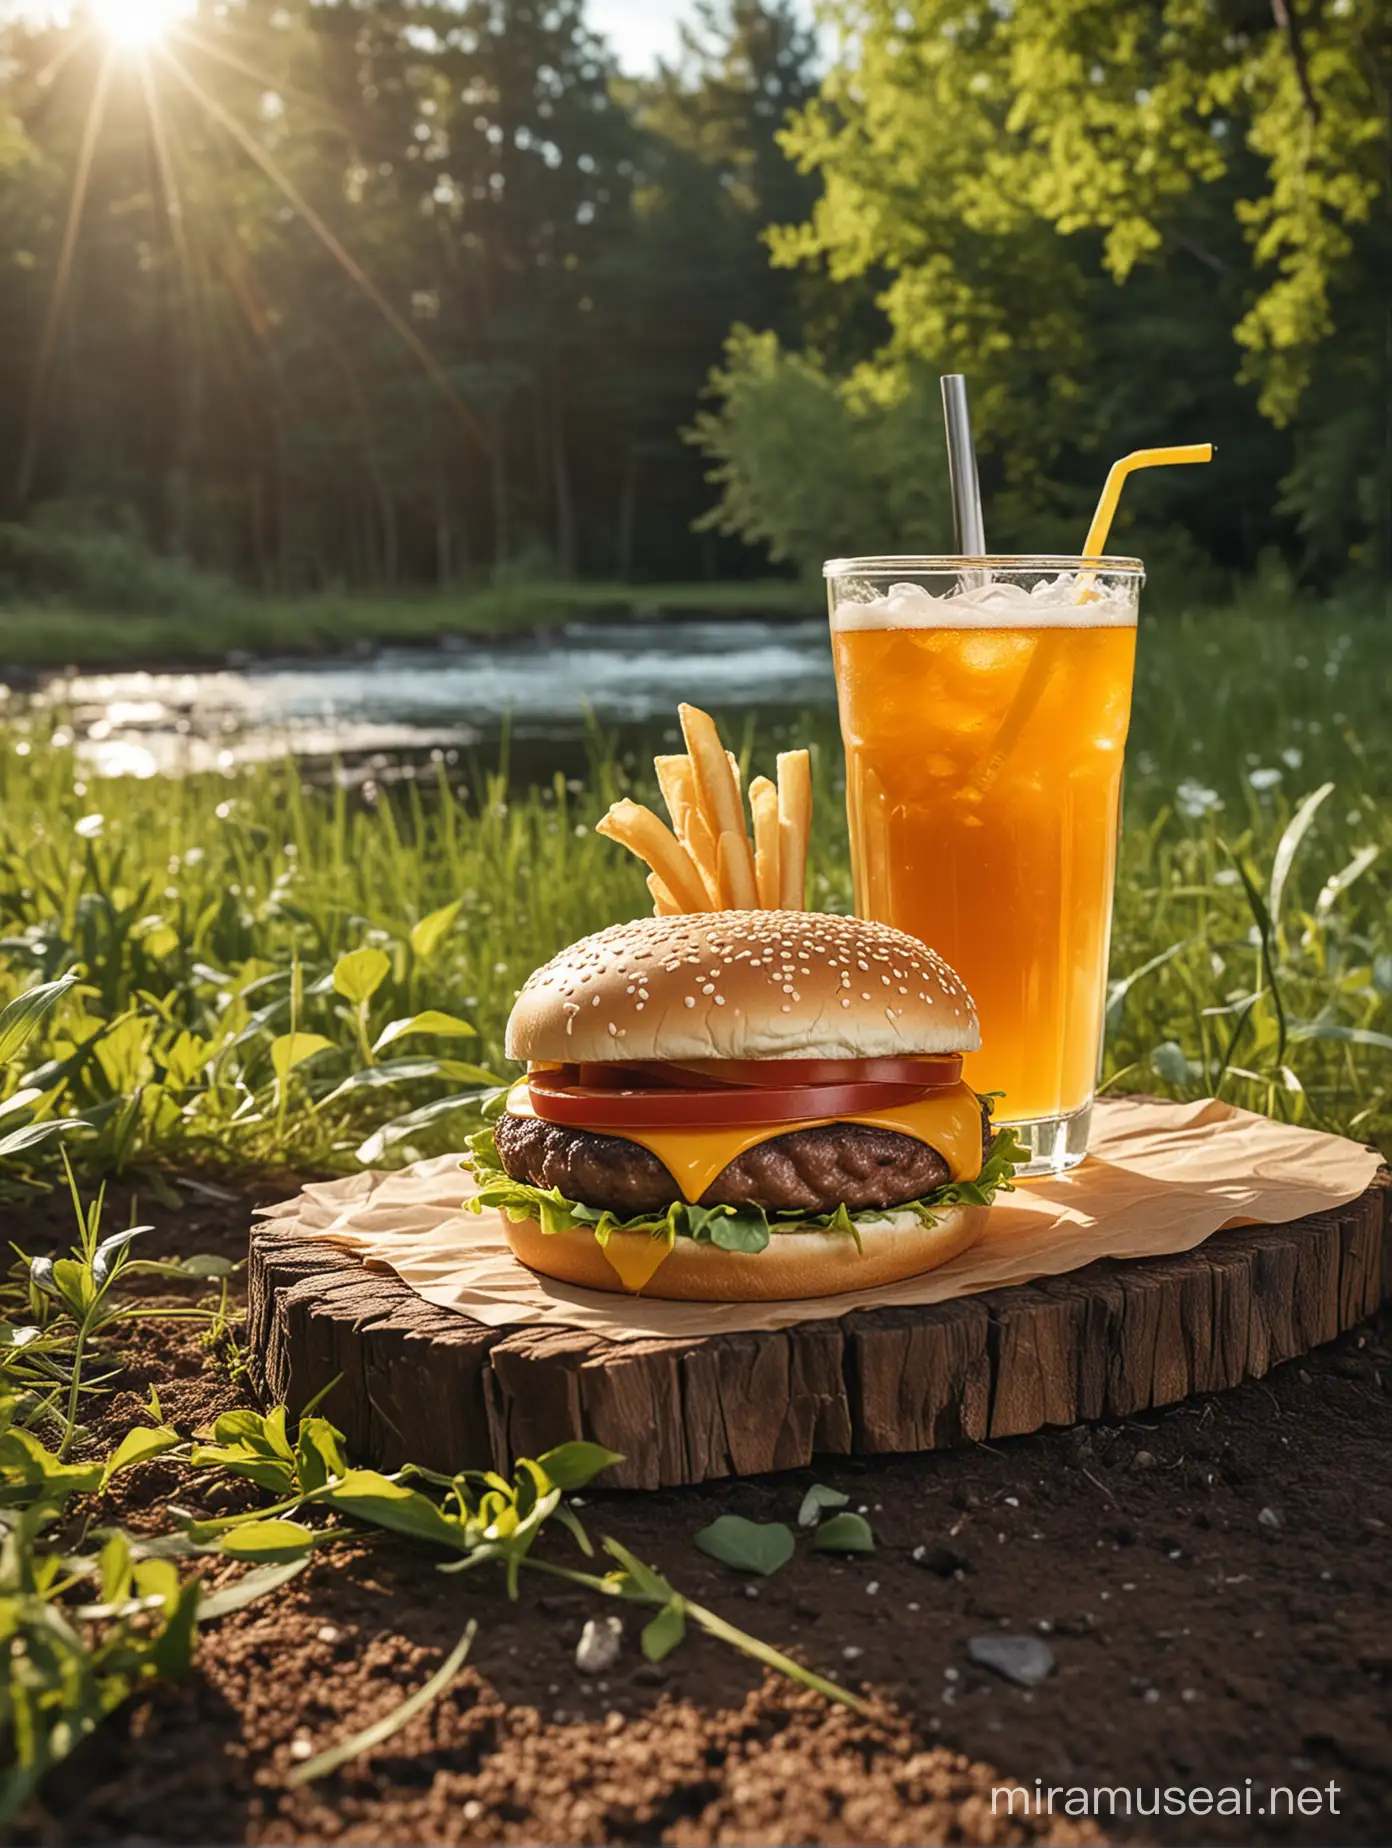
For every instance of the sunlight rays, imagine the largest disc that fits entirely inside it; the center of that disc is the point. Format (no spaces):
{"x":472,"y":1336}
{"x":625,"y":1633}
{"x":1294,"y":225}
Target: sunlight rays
{"x":53,"y":312}
{"x":334,"y":245}
{"x":146,"y":31}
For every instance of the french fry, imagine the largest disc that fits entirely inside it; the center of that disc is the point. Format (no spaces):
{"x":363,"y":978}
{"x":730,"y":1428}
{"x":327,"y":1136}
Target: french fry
{"x":664,"y":905}
{"x":678,"y":786}
{"x":644,"y":834}
{"x":734,"y":863}
{"x":763,"y":803}
{"x":718,"y":795}
{"x":794,"y":827}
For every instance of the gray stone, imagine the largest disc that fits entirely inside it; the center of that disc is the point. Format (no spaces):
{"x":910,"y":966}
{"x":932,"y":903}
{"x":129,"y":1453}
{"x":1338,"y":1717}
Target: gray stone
{"x":1025,"y":1660}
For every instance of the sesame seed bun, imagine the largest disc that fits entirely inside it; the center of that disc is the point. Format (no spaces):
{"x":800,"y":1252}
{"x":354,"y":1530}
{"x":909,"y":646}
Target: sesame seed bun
{"x":743,"y":985}
{"x":794,"y":1265}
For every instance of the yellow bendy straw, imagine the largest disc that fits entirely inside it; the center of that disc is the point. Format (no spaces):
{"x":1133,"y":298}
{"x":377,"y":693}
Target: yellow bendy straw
{"x":1116,"y":479}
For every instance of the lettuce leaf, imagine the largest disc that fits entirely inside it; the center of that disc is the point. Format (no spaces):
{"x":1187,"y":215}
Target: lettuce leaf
{"x":732,"y":1228}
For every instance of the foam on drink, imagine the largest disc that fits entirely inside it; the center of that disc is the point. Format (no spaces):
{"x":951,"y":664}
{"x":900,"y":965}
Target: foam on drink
{"x":1068,"y":601}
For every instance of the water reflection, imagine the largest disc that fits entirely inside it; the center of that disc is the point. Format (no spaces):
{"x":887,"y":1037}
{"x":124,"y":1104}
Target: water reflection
{"x":408,"y":701}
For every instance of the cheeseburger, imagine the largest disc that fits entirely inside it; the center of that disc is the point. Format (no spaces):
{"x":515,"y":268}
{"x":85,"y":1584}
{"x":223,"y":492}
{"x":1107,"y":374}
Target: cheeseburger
{"x":732,"y":1105}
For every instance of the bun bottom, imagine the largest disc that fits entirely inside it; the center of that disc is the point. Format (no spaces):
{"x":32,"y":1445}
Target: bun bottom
{"x":793,"y":1265}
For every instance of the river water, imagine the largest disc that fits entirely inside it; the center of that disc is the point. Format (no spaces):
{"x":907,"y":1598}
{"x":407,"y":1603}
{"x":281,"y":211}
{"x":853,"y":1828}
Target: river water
{"x":402,"y":703}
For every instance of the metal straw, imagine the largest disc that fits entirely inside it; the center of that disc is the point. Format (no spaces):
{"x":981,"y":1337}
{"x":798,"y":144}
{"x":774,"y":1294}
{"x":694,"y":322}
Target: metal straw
{"x":961,"y":462}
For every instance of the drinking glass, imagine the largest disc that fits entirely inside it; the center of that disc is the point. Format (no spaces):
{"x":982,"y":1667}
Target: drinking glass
{"x":984,"y":706}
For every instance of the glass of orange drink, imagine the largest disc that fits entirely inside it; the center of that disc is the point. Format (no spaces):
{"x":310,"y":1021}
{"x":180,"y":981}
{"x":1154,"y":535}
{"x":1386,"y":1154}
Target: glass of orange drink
{"x":984,"y":706}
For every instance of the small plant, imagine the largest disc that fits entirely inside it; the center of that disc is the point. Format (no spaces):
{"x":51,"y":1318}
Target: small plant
{"x":766,"y":1547}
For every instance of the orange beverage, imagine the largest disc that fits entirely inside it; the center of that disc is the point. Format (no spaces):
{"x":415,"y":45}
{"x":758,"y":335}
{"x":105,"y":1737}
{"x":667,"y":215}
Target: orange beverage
{"x":984,"y":721}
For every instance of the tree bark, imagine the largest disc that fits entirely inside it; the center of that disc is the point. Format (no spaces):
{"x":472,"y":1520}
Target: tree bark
{"x":566,"y":549}
{"x":628,"y":517}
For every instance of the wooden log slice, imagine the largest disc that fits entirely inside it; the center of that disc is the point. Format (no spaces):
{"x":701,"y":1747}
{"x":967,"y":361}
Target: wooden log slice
{"x":428,"y":1385}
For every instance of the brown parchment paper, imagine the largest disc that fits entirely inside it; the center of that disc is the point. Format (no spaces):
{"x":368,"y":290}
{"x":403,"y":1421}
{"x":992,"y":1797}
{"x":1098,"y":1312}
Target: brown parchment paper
{"x":1160,"y":1178}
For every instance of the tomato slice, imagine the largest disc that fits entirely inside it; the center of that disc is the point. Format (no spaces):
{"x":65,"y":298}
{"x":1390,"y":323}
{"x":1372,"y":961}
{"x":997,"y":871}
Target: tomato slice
{"x":588,"y":1107}
{"x":924,"y":1071}
{"x":928,"y":1072}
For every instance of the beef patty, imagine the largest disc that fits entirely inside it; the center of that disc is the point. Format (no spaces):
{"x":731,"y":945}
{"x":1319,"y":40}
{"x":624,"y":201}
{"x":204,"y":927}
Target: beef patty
{"x":804,"y":1170}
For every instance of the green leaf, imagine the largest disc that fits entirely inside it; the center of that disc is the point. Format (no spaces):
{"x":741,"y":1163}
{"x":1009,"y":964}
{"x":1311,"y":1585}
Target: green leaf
{"x":33,"y":1134}
{"x":666,"y":1631}
{"x":29,"y":1471}
{"x":203,"y":1264}
{"x":1169,"y":1061}
{"x":725,"y":1228}
{"x":114,"y":1569}
{"x":646,"y":1582}
{"x":1333,"y":1030}
{"x":430,"y":933}
{"x":318,"y":1454}
{"x":360,"y":973}
{"x":291,"y":1049}
{"x":844,"y":1533}
{"x":392,"y":1723}
{"x":380,"y":1502}
{"x":571,"y":1466}
{"x":268,"y":1541}
{"x":260,"y":1582}
{"x":431,"y":1020}
{"x":252,"y":1447}
{"x":749,"y":1546}
{"x":20,"y":1017}
{"x":815,"y":1500}
{"x":265,"y":1434}
{"x":138,"y":1446}
{"x":172,"y":1654}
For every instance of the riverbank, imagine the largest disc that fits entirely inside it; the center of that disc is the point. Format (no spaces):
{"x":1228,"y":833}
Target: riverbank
{"x":40,"y":638}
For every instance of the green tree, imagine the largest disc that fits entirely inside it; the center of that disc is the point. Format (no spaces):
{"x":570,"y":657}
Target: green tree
{"x":1062,"y":198}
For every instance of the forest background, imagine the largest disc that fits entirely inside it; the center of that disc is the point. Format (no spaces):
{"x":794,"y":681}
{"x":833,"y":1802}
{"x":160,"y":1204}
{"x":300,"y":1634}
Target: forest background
{"x":320,"y":296}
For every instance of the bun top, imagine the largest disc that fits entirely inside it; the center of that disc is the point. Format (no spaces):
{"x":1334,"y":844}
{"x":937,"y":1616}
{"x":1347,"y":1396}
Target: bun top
{"x":743,"y":985}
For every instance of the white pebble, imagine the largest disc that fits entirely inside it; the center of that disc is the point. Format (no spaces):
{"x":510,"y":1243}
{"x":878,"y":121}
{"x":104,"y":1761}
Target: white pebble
{"x":599,"y":1645}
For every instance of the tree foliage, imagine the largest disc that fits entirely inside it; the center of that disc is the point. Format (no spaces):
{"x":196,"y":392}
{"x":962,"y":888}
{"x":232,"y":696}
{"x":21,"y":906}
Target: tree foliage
{"x":1128,"y":222}
{"x":381,"y":293}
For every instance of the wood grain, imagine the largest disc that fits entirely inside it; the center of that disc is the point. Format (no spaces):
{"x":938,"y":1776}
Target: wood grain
{"x":414,"y":1382}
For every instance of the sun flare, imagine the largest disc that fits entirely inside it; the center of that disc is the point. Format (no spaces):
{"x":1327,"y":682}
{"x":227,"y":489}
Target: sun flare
{"x":135,"y":23}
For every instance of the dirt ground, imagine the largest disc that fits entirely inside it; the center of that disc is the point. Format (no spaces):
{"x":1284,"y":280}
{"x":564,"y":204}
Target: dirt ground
{"x":1212,"y":1582}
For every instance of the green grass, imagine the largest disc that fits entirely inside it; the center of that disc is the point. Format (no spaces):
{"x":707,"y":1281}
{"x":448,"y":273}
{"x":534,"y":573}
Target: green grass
{"x":207,"y":915}
{"x":58,"y":637}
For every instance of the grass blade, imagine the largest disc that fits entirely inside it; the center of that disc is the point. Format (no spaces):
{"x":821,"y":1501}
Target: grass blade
{"x":393,"y":1722}
{"x":773,"y":1658}
{"x":1288,"y":846}
{"x":258,"y":1583}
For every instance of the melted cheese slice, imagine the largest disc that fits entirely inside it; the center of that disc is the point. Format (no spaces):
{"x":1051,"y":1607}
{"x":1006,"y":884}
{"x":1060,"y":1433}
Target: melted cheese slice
{"x":634,"y":1257}
{"x":949,"y":1120}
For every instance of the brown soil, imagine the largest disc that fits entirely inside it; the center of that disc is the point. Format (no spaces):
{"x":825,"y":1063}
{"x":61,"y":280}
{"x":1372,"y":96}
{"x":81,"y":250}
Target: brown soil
{"x":1212,"y":1583}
